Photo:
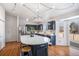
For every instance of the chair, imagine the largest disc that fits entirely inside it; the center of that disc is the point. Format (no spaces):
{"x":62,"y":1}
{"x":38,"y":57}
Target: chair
{"x":26,"y":50}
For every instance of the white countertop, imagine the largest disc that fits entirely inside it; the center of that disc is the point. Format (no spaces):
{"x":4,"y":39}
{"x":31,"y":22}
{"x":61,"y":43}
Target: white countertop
{"x":26,"y":39}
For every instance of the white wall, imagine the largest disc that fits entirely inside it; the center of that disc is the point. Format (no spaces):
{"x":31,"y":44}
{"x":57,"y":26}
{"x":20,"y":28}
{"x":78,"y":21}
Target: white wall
{"x":22,"y":21}
{"x":10,"y":28}
{"x":2,"y":27}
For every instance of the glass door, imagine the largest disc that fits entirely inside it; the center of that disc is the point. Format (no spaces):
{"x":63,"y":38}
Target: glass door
{"x":62,"y":33}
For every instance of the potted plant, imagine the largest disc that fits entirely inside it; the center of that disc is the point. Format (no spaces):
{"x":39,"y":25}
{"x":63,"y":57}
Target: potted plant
{"x":73,"y":28}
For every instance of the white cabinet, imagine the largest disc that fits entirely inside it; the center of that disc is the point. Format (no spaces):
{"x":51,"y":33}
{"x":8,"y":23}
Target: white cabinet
{"x":2,"y":27}
{"x":2,"y":34}
{"x":2,"y":13}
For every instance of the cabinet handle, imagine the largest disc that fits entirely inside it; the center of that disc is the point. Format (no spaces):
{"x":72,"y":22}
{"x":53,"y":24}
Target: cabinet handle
{"x":42,"y":45}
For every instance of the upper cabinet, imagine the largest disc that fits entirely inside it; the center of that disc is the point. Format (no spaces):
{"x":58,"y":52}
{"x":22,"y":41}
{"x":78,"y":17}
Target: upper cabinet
{"x":51,"y":25}
{"x":2,"y":13}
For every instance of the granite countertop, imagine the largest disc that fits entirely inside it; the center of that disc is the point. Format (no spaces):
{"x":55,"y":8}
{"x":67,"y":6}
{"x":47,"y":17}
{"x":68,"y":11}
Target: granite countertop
{"x":36,"y":40}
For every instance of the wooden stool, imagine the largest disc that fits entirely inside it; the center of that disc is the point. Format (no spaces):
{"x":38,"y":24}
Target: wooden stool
{"x":26,"y":50}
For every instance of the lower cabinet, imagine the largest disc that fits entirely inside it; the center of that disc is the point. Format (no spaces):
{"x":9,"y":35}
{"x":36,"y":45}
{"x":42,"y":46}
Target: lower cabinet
{"x":53,"y":39}
{"x":40,"y":50}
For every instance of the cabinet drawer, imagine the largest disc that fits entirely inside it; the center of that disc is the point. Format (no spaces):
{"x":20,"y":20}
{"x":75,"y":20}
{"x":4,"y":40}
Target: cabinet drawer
{"x":42,"y":45}
{"x":40,"y":50}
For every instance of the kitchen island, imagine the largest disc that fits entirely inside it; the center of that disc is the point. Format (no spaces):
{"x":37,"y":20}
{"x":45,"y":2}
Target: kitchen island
{"x":39,"y":44}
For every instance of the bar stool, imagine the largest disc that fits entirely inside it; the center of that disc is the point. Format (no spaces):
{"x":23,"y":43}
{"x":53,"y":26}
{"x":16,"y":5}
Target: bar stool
{"x":26,"y":50}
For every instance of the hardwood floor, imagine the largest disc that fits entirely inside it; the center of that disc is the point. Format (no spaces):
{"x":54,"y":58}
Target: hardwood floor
{"x":13,"y":49}
{"x":58,"y":50}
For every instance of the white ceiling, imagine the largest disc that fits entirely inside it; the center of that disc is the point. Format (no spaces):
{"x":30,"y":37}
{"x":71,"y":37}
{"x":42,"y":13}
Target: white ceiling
{"x":40,"y":10}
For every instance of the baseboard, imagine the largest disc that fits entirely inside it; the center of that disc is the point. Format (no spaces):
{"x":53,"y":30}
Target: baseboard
{"x":63,"y":45}
{"x":11,"y":41}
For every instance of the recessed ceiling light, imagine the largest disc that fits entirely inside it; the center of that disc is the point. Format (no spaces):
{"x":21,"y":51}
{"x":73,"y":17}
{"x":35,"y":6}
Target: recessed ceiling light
{"x":53,"y":7}
{"x":37,"y":10}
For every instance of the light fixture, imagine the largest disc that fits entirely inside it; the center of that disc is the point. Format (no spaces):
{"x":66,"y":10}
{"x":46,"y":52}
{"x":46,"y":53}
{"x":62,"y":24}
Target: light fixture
{"x":38,"y":20}
{"x":53,"y":7}
{"x":37,"y":10}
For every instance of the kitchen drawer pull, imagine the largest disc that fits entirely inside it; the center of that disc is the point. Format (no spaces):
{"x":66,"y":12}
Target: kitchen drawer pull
{"x":42,"y":45}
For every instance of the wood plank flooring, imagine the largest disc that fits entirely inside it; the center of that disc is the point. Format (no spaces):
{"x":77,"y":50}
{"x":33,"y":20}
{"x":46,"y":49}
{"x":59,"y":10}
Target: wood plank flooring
{"x":58,"y":50}
{"x":13,"y":49}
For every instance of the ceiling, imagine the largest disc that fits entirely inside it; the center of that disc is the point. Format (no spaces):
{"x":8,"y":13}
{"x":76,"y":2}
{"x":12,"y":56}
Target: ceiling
{"x":40,"y":12}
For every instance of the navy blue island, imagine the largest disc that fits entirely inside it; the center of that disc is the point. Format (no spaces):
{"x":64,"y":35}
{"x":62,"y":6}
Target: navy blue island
{"x":39,"y":44}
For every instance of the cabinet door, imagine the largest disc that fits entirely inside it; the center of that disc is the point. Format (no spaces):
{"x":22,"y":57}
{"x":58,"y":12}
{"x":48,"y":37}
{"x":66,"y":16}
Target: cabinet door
{"x":2,"y":34}
{"x":42,"y":51}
